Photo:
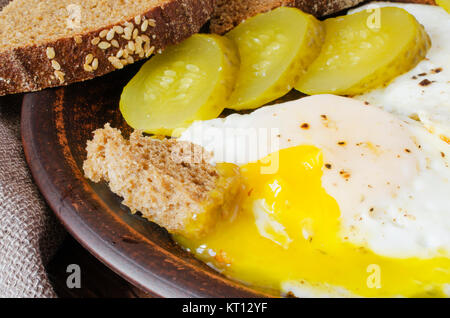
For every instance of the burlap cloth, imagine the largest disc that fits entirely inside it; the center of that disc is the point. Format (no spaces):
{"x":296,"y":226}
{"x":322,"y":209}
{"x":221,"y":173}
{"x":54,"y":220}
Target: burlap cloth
{"x":29,"y":232}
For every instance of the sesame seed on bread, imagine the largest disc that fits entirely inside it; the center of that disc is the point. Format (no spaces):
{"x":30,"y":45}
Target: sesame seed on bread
{"x":57,"y":42}
{"x":170,"y":182}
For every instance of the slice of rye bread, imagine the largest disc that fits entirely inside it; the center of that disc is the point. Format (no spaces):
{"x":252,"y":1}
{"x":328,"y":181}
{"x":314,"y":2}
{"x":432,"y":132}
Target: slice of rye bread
{"x":57,"y":42}
{"x":229,"y":13}
{"x":170,"y":182}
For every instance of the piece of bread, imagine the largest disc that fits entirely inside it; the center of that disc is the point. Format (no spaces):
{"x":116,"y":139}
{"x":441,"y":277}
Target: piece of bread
{"x":170,"y":182}
{"x":57,"y":42}
{"x":229,"y":13}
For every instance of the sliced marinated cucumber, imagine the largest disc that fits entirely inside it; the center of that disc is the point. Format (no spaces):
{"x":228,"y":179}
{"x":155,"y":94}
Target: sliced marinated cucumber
{"x":275,"y":50}
{"x":363,"y":51}
{"x":189,"y":81}
{"x":444,"y":4}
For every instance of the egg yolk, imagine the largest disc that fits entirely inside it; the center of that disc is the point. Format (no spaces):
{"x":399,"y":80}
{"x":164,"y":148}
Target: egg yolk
{"x":287,"y":228}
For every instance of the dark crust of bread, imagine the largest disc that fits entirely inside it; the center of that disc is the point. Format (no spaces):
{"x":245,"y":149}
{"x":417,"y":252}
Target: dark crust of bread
{"x":322,"y":8}
{"x":431,"y":2}
{"x":229,"y":13}
{"x":27,"y":69}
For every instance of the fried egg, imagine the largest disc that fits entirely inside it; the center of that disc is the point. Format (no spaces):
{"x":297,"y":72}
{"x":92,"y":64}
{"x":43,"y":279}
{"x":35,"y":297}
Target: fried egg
{"x":339,"y":198}
{"x":423,"y":93}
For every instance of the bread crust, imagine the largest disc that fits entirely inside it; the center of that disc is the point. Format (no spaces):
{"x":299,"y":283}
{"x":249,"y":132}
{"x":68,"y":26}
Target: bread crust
{"x":322,"y":8}
{"x":229,"y":13}
{"x":431,"y":2}
{"x":27,"y":69}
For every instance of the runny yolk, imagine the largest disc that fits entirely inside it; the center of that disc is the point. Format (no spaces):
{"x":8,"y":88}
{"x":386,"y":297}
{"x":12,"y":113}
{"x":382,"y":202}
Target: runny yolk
{"x":288,"y":229}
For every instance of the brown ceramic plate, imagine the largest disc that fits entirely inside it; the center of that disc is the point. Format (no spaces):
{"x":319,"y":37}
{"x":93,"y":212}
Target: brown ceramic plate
{"x":56,"y":124}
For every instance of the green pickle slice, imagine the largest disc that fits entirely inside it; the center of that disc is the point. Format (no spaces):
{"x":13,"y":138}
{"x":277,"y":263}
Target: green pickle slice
{"x":365,"y":50}
{"x":275,"y":50}
{"x":189,"y":81}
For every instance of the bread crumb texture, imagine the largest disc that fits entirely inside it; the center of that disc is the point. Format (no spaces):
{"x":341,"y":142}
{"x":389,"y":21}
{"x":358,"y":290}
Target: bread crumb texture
{"x":170,"y":182}
{"x":32,"y":22}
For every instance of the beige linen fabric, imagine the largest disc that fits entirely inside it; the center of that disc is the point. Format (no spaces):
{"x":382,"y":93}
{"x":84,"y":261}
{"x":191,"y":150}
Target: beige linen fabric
{"x":29,"y":233}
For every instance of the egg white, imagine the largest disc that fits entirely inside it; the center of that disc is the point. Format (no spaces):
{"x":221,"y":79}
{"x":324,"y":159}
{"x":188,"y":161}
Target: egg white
{"x":396,"y":198}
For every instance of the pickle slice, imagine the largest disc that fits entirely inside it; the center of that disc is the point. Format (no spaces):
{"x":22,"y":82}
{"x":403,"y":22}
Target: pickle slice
{"x":365,"y":50}
{"x":189,"y":81}
{"x":444,"y":4}
{"x":275,"y":50}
